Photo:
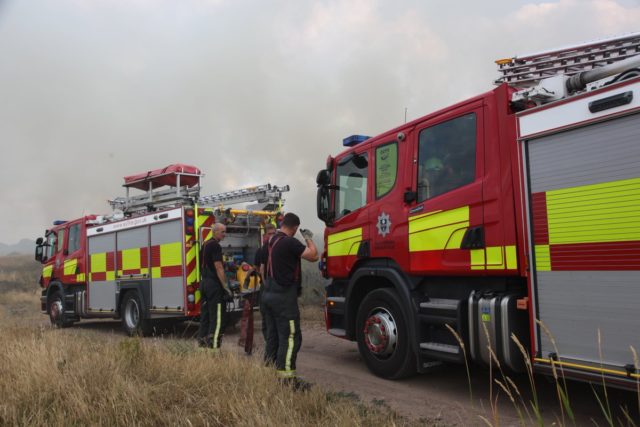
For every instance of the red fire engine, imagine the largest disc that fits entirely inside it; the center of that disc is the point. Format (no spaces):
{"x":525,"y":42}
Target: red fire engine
{"x":141,"y":263}
{"x":514,"y":214}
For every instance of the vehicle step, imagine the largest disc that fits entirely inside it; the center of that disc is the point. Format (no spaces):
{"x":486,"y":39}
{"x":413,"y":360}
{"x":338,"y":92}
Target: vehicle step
{"x":340,"y":300}
{"x":338,"y":332}
{"x":443,"y":348}
{"x":440,"y":304}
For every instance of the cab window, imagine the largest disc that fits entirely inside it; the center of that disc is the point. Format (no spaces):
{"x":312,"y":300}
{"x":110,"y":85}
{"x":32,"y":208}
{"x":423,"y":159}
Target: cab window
{"x":74,"y":238}
{"x":51,"y":246}
{"x":386,"y":168}
{"x":446,"y":156}
{"x":60,"y":240}
{"x":351,"y":179}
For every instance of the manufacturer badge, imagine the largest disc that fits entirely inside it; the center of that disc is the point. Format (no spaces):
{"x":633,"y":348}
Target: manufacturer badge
{"x":384,"y":224}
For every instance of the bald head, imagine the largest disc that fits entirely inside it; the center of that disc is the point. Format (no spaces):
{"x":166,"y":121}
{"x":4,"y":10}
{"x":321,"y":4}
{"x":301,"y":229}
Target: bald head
{"x":219,"y":231}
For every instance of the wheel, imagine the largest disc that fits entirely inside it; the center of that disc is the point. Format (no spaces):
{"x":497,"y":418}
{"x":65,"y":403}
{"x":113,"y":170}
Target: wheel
{"x":132,"y":311}
{"x":383,"y":335}
{"x":55,"y":308}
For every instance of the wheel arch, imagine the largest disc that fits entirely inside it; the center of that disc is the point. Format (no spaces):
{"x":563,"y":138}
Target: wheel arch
{"x":371,"y":276}
{"x":53,"y":287}
{"x":143,"y":291}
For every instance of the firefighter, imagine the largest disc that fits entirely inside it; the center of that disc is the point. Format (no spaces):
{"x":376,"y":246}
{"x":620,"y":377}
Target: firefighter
{"x":214,"y":290}
{"x":260,"y":262}
{"x":280,"y":297}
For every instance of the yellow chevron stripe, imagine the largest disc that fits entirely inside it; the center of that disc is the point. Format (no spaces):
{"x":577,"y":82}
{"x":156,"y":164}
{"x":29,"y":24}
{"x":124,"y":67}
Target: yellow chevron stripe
{"x":438,"y":230}
{"x":344,"y":243}
{"x":47,"y":271}
{"x":70,"y":267}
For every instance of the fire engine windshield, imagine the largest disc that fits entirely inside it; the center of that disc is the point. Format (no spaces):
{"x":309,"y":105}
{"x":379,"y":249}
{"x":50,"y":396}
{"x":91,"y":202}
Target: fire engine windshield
{"x":351,"y":179}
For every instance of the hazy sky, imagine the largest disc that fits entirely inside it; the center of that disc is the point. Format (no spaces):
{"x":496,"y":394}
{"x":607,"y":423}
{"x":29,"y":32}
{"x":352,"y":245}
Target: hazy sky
{"x":249,"y":91}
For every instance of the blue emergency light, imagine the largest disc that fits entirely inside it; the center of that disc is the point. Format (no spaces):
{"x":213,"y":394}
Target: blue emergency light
{"x":59,"y":222}
{"x":352,"y":140}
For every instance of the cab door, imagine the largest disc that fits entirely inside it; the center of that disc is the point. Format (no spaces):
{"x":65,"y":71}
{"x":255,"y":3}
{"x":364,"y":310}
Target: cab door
{"x":445,"y":219}
{"x":388,"y":213}
{"x":59,"y":253}
{"x":348,"y":238}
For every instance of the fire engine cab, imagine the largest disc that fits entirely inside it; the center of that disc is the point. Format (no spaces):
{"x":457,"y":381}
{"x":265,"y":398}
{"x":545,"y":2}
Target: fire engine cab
{"x":141,"y":263}
{"x":508,"y":219}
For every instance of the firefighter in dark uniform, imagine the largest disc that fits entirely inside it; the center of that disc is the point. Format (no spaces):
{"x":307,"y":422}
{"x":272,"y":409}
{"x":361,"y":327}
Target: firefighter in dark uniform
{"x":260,"y":262}
{"x":214,"y":291}
{"x":280,"y":297}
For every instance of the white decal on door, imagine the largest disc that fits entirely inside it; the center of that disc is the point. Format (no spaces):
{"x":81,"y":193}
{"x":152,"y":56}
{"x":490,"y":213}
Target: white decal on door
{"x":384,"y":224}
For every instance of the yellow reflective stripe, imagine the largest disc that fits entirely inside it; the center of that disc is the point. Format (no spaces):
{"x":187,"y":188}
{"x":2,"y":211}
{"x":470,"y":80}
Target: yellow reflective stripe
{"x":344,"y":243}
{"x":284,"y":373}
{"x":605,"y":212}
{"x":156,"y":272}
{"x":512,"y":257}
{"x":171,"y":254}
{"x":216,"y":334}
{"x":292,"y":332}
{"x":197,"y":294}
{"x":47,"y":271}
{"x":191,"y":255}
{"x":543,"y":257}
{"x":70,"y":267}
{"x":497,"y":258}
{"x":111,"y":275}
{"x":99,"y":262}
{"x":586,"y":367}
{"x":438,"y":230}
{"x":130,"y":259}
{"x":336,"y":237}
{"x":80,"y":277}
{"x":477,"y":259}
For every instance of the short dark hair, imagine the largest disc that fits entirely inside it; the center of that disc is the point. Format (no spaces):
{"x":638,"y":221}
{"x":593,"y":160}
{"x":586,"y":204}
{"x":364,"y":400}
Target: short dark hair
{"x":291,"y":220}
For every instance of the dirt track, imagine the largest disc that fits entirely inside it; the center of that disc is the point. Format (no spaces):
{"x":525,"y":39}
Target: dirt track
{"x":437,"y":398}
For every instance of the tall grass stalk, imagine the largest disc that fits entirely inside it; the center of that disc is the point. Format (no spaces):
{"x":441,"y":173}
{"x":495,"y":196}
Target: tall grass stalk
{"x":535,"y":405}
{"x":466,"y":360}
{"x":636,"y":365}
{"x":561,"y":389}
{"x":604,"y":406}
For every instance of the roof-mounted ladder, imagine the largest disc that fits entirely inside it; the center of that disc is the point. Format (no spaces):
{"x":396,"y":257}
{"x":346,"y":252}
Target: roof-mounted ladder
{"x":527,"y":70}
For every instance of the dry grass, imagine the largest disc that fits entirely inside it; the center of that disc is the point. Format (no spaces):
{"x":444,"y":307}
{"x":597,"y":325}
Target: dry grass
{"x":56,"y":377}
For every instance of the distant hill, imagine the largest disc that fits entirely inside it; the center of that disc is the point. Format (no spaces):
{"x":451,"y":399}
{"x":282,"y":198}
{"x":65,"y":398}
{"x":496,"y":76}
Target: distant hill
{"x":19,"y":273}
{"x":24,"y":246}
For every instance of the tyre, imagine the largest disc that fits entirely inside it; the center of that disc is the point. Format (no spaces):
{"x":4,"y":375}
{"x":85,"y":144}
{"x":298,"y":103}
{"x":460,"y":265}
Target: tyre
{"x":55,"y":308}
{"x":383,"y":335}
{"x":132,"y":312}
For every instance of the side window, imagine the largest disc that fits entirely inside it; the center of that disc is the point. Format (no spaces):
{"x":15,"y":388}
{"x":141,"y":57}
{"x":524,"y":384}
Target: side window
{"x":351,"y":177}
{"x":60,"y":240}
{"x":74,"y":238}
{"x":386,"y":168}
{"x":446,"y":156}
{"x":51,"y":245}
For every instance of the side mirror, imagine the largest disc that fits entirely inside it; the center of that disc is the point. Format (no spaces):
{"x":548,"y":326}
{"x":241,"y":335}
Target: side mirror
{"x":39,"y":252}
{"x":323,"y":178}
{"x":323,"y":205}
{"x":410,"y":196}
{"x":39,"y":241}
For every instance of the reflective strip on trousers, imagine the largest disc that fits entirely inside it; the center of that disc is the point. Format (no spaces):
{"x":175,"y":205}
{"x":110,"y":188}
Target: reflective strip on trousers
{"x":287,"y":373}
{"x":216,"y":334}
{"x":292,"y":332}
